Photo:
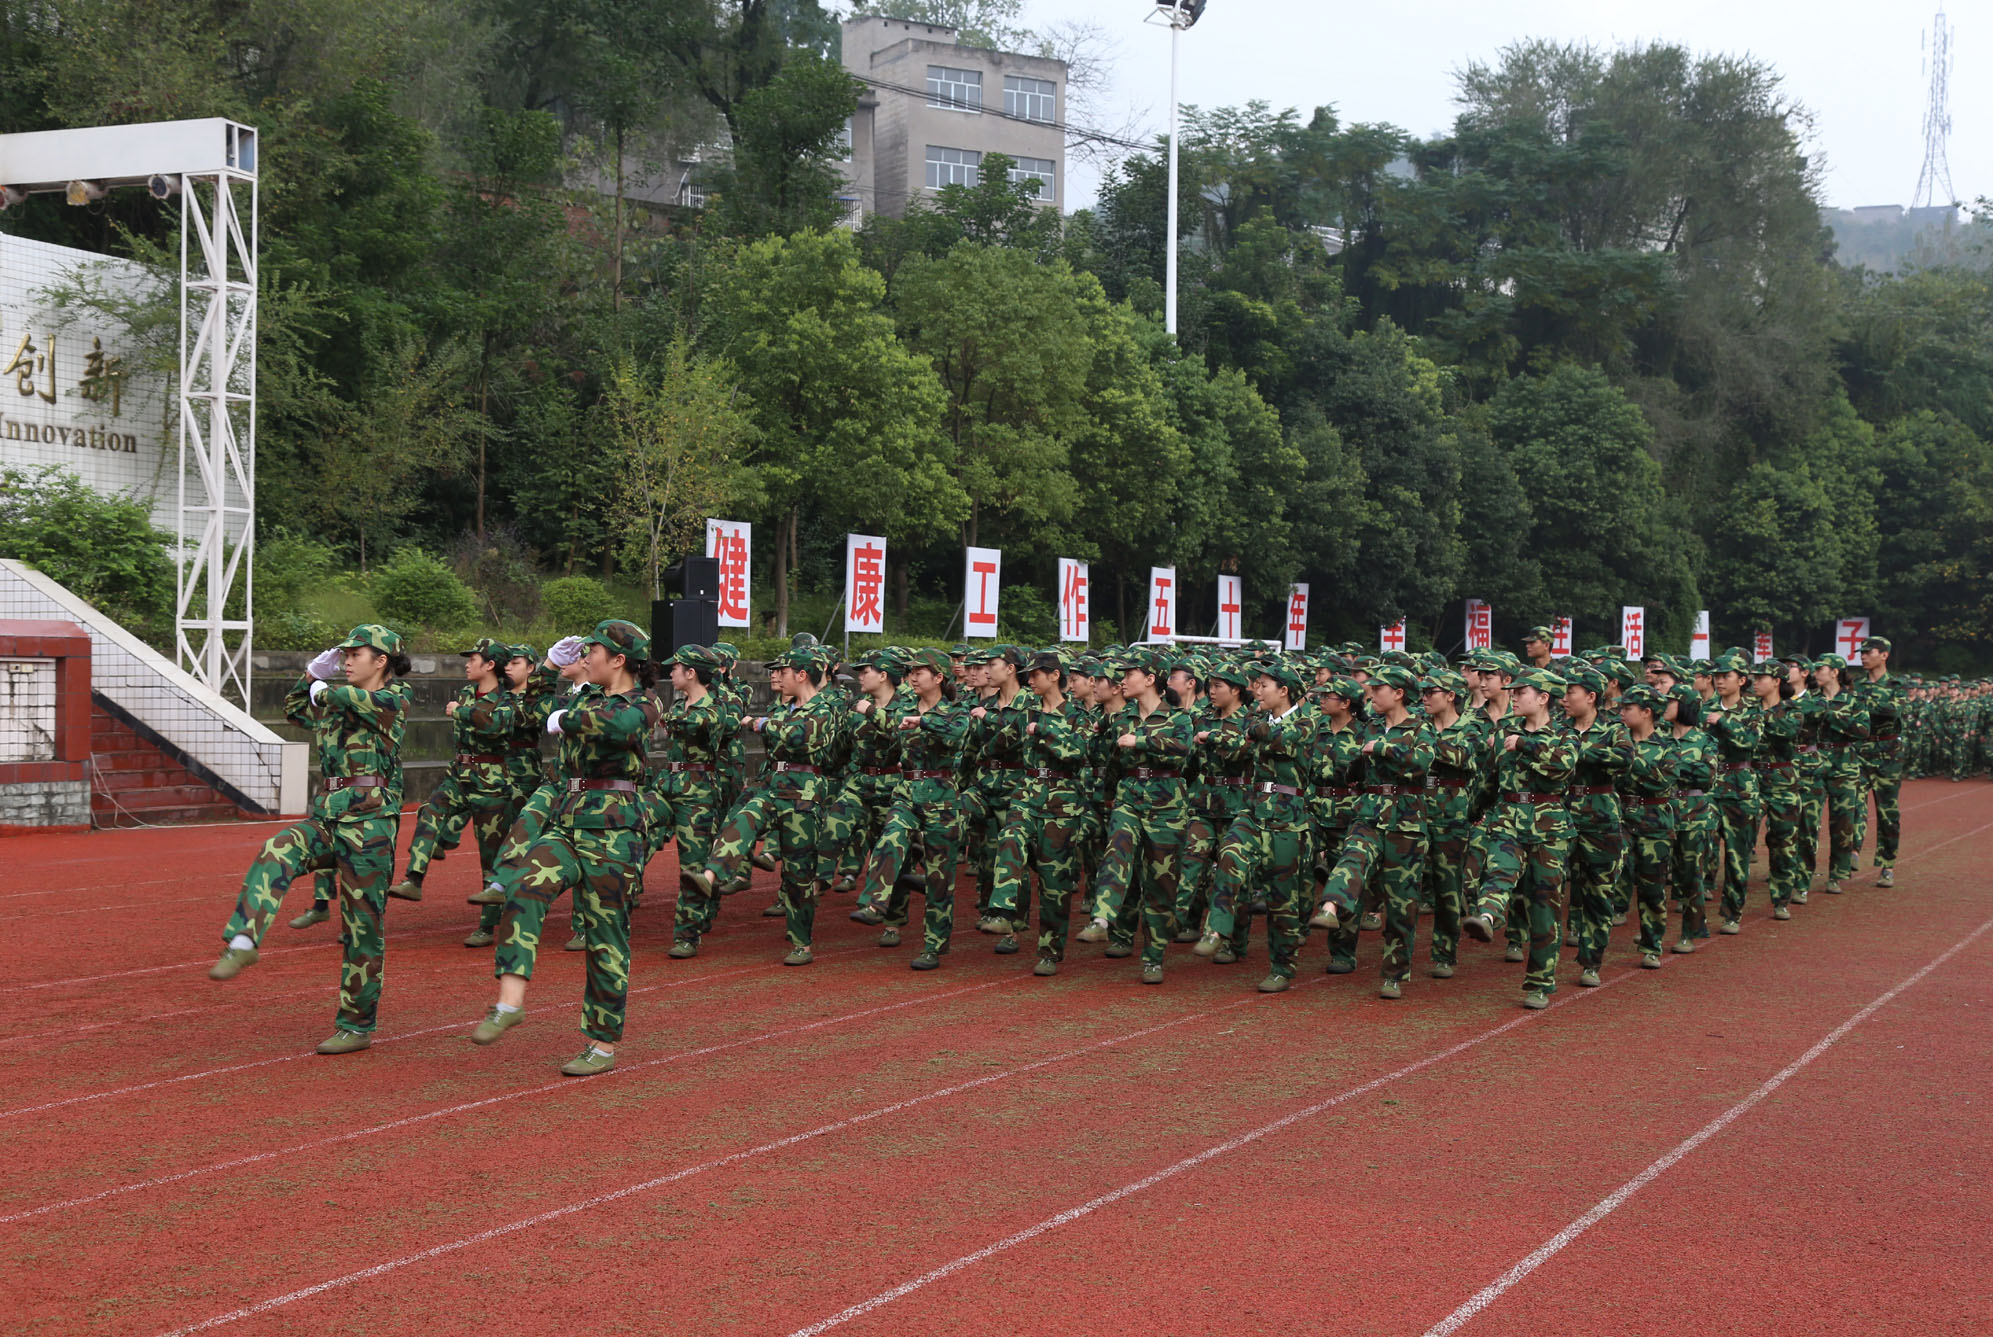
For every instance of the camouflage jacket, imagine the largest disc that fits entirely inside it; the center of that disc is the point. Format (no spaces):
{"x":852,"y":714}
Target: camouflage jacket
{"x":1778,"y":746}
{"x":1282,"y":754}
{"x":1337,"y":764}
{"x":1053,"y":746}
{"x":1649,"y":785}
{"x":482,"y":726}
{"x":930,"y":750}
{"x":1695,"y":770}
{"x":1844,"y":729}
{"x":1455,"y":774}
{"x":1223,"y":786}
{"x":531,"y":705}
{"x":1400,"y":756}
{"x":355,"y":734}
{"x":1735,"y":735}
{"x":1604,"y":754}
{"x":695,"y":743}
{"x":801,"y":737}
{"x":1151,"y":771}
{"x":994,"y":744}
{"x":604,"y":736}
{"x":1530,"y":782}
{"x":1885,"y":702}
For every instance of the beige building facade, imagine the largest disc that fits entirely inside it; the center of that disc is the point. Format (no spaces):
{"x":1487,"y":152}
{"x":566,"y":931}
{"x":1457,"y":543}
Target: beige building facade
{"x":934,"y":108}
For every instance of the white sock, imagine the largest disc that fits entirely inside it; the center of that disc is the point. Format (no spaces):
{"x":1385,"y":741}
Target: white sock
{"x":605,"y":1053}
{"x":494,"y":887}
{"x":242,"y":942}
{"x":505,"y":1007}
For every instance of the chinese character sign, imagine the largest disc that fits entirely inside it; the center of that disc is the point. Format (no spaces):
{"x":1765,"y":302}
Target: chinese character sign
{"x":981,"y":580}
{"x":1633,"y":631}
{"x":1761,"y":646}
{"x":1229,"y":606}
{"x":1075,"y":608}
{"x":1480,"y":626}
{"x":1297,"y":617}
{"x":1560,"y":637}
{"x":864,"y":583}
{"x":1162,"y":603}
{"x":730,"y":542}
{"x":1391,"y":637}
{"x":1699,"y":639}
{"x":1849,"y":633}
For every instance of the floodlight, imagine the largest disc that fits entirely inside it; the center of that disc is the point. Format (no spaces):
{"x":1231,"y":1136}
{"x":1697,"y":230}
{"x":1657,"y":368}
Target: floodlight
{"x":1181,"y":13}
{"x":11,"y":196}
{"x":163,"y":187}
{"x":83,"y":192}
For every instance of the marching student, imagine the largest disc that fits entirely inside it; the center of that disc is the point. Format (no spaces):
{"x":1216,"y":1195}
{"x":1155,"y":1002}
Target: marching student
{"x":474,"y":793}
{"x":356,"y":730}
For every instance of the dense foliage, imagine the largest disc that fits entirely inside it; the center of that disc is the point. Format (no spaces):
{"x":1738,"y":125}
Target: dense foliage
{"x":1589,"y":347}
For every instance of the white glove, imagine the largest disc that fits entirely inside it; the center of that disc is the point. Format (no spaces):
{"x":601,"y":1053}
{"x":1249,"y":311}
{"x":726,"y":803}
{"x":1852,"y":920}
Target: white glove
{"x":564,"y":651}
{"x":554,"y":721}
{"x":318,"y":689}
{"x":328,"y":663}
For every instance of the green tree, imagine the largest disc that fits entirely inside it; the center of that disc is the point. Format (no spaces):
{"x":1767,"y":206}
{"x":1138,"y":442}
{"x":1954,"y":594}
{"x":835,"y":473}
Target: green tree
{"x":103,"y":549}
{"x":1935,"y":513}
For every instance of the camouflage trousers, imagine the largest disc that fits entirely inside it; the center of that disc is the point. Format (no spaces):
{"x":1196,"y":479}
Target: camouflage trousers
{"x":1151,"y":839}
{"x":1846,"y":807}
{"x":936,"y":823}
{"x":1479,"y":842}
{"x":1593,"y":876}
{"x":1200,"y":860}
{"x":1885,"y":781}
{"x":1698,"y":824}
{"x":1813,"y":804}
{"x":855,"y":824}
{"x":689,"y":819}
{"x":1534,"y":870}
{"x":447,"y":813}
{"x":530,"y":815}
{"x":361,"y":853}
{"x":1395,"y":859}
{"x":599,"y":866}
{"x":1737,"y":814}
{"x":1258,"y":856}
{"x":1041,"y":842}
{"x":791,"y":823}
{"x":1650,"y":851}
{"x":1785,"y":812}
{"x":983,"y":809}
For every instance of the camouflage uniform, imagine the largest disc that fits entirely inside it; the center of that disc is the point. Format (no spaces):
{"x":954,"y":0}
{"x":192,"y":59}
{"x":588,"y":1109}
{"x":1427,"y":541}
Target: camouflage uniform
{"x":1811,"y":770}
{"x":1844,"y":732}
{"x":1599,"y":829}
{"x":1530,"y":830}
{"x":1145,"y":828}
{"x":1219,"y":795}
{"x":474,"y":792}
{"x":1698,"y":825}
{"x":1040,"y":832}
{"x":1450,"y":784}
{"x":990,"y":780}
{"x":683,"y":795}
{"x":1387,"y":833}
{"x":1647,"y":788}
{"x":1735,"y":791}
{"x":593,"y":843}
{"x":785,"y":804}
{"x":1265,"y":848}
{"x":875,"y":779}
{"x":1779,"y":790}
{"x":354,"y":821}
{"x":926,"y":808}
{"x":1337,"y":791}
{"x":1882,"y":759}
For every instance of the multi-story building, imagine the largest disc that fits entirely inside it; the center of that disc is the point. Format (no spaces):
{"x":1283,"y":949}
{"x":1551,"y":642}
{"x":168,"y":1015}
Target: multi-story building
{"x":933,"y":108}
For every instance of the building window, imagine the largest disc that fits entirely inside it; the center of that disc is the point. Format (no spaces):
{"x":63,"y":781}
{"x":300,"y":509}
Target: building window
{"x":844,"y":141}
{"x":960,"y":89}
{"x":951,"y":167}
{"x":1033,"y":99}
{"x":1035,"y":169}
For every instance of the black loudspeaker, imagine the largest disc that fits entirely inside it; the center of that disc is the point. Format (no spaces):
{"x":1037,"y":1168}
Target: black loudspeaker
{"x":702,"y":578}
{"x":695,"y":622}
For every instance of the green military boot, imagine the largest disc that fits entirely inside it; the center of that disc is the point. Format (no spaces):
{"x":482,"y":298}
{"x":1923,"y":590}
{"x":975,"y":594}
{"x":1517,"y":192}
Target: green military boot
{"x":1833,"y":887}
{"x":1886,"y":878}
{"x":1390,"y":989}
{"x":1187,"y":935}
{"x":1734,"y":926}
{"x":1536,"y":1000}
{"x":1226,"y":956}
{"x":1152,"y":972}
{"x":1781,"y":912}
{"x":588,"y":1063}
{"x":577,"y":943}
{"x":1325,"y":917}
{"x":490,"y":894}
{"x":1094,"y":932}
{"x":344,"y":1042}
{"x":993,"y":924}
{"x":1589,"y":977}
{"x":1275,"y":984}
{"x":1208,"y":945}
{"x":684,"y":949}
{"x":763,"y":860}
{"x":1006,"y":945}
{"x":1650,"y":960}
{"x":479,"y":937}
{"x":775,"y":911}
{"x":1118,"y":950}
{"x":233,"y":959}
{"x":1481,"y":928}
{"x":318,"y":914}
{"x":1371,"y":922}
{"x":1441,"y":970}
{"x":799,"y":957}
{"x":495,"y":1024}
{"x":1337,"y":966}
{"x":865,"y":914}
{"x":1684,"y":946}
{"x":1046,"y":966}
{"x":1799,"y":897}
{"x":844,"y":885}
{"x":926,"y":961}
{"x":408,"y":889}
{"x":1515,"y":952}
{"x":889,"y":937}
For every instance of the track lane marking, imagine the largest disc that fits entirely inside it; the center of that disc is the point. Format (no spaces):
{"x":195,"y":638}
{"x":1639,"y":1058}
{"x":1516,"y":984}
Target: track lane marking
{"x":681,"y":1056}
{"x":1614,"y":1200}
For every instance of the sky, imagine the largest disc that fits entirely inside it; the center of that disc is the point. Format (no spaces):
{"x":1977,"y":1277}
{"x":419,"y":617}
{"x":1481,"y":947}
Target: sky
{"x":1856,"y":64}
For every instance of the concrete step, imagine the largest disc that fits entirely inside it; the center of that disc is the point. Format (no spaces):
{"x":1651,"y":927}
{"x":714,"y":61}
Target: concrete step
{"x":108,"y":816}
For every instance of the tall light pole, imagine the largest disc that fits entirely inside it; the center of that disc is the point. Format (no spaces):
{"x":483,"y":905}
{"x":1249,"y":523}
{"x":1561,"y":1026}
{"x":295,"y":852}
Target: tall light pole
{"x":1179,"y":14}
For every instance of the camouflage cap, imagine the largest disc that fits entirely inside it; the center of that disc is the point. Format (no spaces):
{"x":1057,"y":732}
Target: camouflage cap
{"x":1280,"y":671}
{"x":938,"y":660}
{"x":1640,"y":694}
{"x":1445,"y":680}
{"x":521,"y":651}
{"x":1877,"y":643}
{"x":488,"y":646}
{"x":695,"y":657}
{"x":1543,"y":680}
{"x":1768,"y":668}
{"x":795,"y":657}
{"x":1046,"y":661}
{"x":1346,"y":687}
{"x":619,"y":638}
{"x":1830,"y":661}
{"x":961,"y":650}
{"x":1543,"y":634}
{"x":1585,"y":676}
{"x":1232,"y":671}
{"x":1686,"y":694}
{"x":728,"y":652}
{"x":1730,"y":661}
{"x":1621,"y":671}
{"x":1395,"y":675}
{"x":1148,"y":661}
{"x":372,"y":636}
{"x":1086,"y":666}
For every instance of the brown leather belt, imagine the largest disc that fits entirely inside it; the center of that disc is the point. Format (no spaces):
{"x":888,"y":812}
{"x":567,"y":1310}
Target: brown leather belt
{"x":878,"y":770}
{"x":1446,"y":782}
{"x":1591,"y":791}
{"x":688,"y":768}
{"x":796,"y":768}
{"x":1773,"y":765}
{"x":1736,"y":766}
{"x":1391,"y":791}
{"x":1647,"y":800}
{"x":1045,"y":772}
{"x":480,"y":759}
{"x":927,"y":775}
{"x":601,"y":786}
{"x":1153,"y":773}
{"x":1338,"y":791}
{"x":1530,"y":796}
{"x":1268,"y":787}
{"x":335,"y":783}
{"x":1228,"y":781}
{"x":1886,"y":738}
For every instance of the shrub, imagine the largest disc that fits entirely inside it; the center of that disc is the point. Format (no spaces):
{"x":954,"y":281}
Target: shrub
{"x":103,"y":549}
{"x":575,"y":604}
{"x":416,"y":589}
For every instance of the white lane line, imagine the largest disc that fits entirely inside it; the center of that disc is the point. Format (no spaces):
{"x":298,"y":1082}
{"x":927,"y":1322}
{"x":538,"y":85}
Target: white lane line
{"x":719,"y":1162}
{"x":1072,"y":1214}
{"x":682,"y":1056}
{"x":385,"y":1040}
{"x":1612,"y":1201}
{"x":101,"y":909}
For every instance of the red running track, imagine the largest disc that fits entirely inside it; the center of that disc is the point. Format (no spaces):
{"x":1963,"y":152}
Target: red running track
{"x":1783,"y":1133}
